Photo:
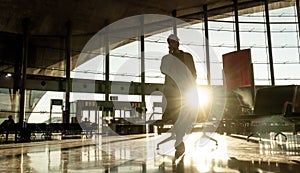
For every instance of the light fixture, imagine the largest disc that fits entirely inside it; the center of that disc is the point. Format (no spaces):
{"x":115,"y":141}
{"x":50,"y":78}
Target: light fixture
{"x":8,"y":75}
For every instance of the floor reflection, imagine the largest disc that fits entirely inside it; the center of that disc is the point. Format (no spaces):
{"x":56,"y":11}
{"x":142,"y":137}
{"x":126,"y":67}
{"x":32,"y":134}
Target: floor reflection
{"x":261,"y":166}
{"x":138,"y":154}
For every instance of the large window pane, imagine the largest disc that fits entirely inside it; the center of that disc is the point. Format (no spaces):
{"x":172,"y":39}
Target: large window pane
{"x":155,"y":48}
{"x":46,"y":56}
{"x":253,"y":36}
{"x":195,"y":44}
{"x":91,"y":69}
{"x":285,"y":43}
{"x":221,"y":41}
{"x":125,"y":63}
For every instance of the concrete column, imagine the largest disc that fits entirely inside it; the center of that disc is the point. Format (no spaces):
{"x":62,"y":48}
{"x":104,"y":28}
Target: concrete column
{"x":174,"y":22}
{"x":106,"y":43}
{"x":269,"y":43}
{"x":142,"y":41}
{"x":26,"y":23}
{"x":66,"y":114}
{"x":237,"y":29}
{"x":207,"y":45}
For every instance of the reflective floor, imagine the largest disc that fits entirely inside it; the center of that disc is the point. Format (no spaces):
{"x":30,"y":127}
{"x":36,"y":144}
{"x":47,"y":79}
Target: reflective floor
{"x":139,"y":153}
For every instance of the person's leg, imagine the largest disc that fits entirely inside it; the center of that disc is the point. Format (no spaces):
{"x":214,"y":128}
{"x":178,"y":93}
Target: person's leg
{"x":91,"y":132}
{"x":179,"y":148}
{"x":6,"y":135}
{"x":171,"y":105}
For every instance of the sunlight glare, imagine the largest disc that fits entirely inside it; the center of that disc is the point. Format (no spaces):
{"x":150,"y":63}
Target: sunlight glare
{"x":199,"y":99}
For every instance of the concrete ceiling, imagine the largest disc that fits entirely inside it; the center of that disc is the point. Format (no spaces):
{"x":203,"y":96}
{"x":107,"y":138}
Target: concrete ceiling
{"x":48,"y":17}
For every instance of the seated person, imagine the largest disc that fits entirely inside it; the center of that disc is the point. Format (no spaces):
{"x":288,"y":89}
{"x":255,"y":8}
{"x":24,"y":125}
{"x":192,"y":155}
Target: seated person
{"x":8,"y":125}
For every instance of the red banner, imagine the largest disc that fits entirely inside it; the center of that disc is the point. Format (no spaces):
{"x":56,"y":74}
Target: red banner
{"x":237,"y":69}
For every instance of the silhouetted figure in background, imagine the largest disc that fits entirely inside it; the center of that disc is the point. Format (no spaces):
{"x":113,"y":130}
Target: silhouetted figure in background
{"x":8,"y":126}
{"x":87,"y":127}
{"x":180,"y":79}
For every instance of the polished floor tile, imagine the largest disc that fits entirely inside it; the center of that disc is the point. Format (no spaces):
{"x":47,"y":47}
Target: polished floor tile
{"x":139,"y":153}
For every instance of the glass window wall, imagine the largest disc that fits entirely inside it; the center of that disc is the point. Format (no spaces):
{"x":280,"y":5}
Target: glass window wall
{"x":285,"y":42}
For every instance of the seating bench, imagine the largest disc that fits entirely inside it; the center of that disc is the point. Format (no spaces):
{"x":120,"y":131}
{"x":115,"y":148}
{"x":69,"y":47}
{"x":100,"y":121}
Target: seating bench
{"x":275,"y":110}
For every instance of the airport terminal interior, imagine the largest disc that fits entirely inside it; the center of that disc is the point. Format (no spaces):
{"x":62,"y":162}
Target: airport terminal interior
{"x":82,"y":86}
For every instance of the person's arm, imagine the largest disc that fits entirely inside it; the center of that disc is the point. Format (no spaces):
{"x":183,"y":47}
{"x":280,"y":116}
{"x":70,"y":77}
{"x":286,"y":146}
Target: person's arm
{"x":191,"y":65}
{"x":164,"y":66}
{"x":4,"y":123}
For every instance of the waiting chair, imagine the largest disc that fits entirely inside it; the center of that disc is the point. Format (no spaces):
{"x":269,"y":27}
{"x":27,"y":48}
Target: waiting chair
{"x":167,"y":126}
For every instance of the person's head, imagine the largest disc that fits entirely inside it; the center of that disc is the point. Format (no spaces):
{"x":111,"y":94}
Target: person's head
{"x":173,"y":42}
{"x":10,"y":117}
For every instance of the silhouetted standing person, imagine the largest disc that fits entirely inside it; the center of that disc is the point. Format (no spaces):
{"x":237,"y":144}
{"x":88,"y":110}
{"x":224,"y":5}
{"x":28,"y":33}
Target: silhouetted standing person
{"x":86,"y":125}
{"x":180,"y":80}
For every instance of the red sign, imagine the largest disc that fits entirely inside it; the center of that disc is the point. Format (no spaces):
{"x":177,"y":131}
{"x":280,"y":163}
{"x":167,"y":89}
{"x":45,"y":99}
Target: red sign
{"x":237,"y":69}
